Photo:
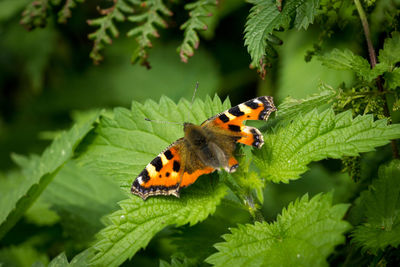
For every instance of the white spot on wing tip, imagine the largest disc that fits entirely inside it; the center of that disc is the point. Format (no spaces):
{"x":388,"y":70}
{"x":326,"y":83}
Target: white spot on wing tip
{"x":140,"y":180}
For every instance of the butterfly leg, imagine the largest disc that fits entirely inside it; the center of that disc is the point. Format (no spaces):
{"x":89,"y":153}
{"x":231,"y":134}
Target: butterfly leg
{"x":251,"y":136}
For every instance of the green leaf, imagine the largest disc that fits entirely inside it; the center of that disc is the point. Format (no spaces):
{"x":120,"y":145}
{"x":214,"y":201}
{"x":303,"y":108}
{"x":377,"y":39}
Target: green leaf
{"x":41,"y":214}
{"x":65,"y":11}
{"x":38,"y":172}
{"x":392,"y":79}
{"x":382,"y":211}
{"x":390,"y":54}
{"x":347,"y":60}
{"x":305,"y":234}
{"x":197,"y":242}
{"x":198,"y":11}
{"x":305,"y":14}
{"x":290,"y":107}
{"x":106,"y":26}
{"x":35,"y":14}
{"x":179,"y":260}
{"x":78,"y":261}
{"x":59,"y":261}
{"x":315,"y":136}
{"x":23,"y":255}
{"x":85,"y":199}
{"x":148,"y":19}
{"x":265,"y":17}
{"x":125,"y":143}
{"x":132,"y":227}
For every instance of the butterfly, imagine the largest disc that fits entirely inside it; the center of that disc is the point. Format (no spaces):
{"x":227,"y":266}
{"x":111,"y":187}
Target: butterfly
{"x":204,"y":148}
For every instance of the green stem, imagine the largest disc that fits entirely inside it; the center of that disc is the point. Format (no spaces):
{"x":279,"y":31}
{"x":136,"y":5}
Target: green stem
{"x":247,"y":200}
{"x":373,"y":61}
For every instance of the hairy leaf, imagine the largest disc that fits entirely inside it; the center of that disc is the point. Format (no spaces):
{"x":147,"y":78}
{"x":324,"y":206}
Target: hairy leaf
{"x":347,"y":60}
{"x":126,"y":143}
{"x":315,"y":136}
{"x":291,"y":107}
{"x":303,"y":235}
{"x":38,"y":172}
{"x":305,"y":14}
{"x":382,"y":211}
{"x":265,"y":17}
{"x":132,"y":227}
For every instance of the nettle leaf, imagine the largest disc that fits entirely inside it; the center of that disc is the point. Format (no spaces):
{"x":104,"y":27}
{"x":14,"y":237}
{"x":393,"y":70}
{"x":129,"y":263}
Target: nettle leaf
{"x":265,"y":17}
{"x":305,"y":14}
{"x":78,"y":261}
{"x":290,"y":107}
{"x":392,"y":79}
{"x":303,"y":235}
{"x":179,"y":260}
{"x":388,"y":57}
{"x":132,"y":227}
{"x":38,"y":172}
{"x":126,"y":143}
{"x":59,"y":261}
{"x":390,"y":54}
{"x":382,"y":211}
{"x":315,"y":136}
{"x":347,"y":60}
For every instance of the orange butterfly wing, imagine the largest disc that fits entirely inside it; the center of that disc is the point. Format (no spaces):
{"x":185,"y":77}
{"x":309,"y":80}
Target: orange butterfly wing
{"x":231,"y":120}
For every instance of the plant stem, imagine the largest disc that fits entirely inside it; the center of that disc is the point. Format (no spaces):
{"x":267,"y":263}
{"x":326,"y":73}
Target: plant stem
{"x":247,"y":200}
{"x":373,"y":61}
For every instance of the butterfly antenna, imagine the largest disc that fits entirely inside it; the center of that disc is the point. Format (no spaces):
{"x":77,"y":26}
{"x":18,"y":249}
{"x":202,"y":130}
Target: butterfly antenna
{"x":194,"y":94}
{"x":166,"y":122}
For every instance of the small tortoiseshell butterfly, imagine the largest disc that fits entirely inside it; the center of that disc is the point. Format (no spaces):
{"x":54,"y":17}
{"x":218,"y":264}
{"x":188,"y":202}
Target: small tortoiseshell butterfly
{"x":203,"y":149}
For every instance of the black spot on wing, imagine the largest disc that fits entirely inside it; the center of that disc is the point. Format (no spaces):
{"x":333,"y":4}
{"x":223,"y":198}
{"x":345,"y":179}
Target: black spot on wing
{"x":268,"y":105}
{"x":223,"y":118}
{"x":251,"y":104}
{"x":145,"y":176}
{"x":236,"y":111}
{"x":135,"y":184}
{"x":176,"y":167}
{"x":234,"y":128}
{"x":258,"y":142}
{"x":157,"y":163}
{"x":167,"y":174}
{"x":168,"y":154}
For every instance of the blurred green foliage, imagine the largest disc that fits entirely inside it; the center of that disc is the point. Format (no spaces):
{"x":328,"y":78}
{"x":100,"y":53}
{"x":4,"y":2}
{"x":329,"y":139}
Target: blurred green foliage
{"x":72,"y":205}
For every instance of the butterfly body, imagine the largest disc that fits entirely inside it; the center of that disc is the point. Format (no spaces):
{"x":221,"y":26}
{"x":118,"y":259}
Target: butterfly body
{"x":203,"y":149}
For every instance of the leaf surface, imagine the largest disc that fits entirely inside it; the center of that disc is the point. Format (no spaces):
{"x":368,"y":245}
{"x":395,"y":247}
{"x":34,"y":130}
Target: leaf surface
{"x":305,"y":234}
{"x":315,"y":136}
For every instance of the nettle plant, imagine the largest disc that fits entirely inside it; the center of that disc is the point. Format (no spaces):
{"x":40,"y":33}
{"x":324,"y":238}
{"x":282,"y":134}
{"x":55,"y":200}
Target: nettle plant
{"x":218,"y":220}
